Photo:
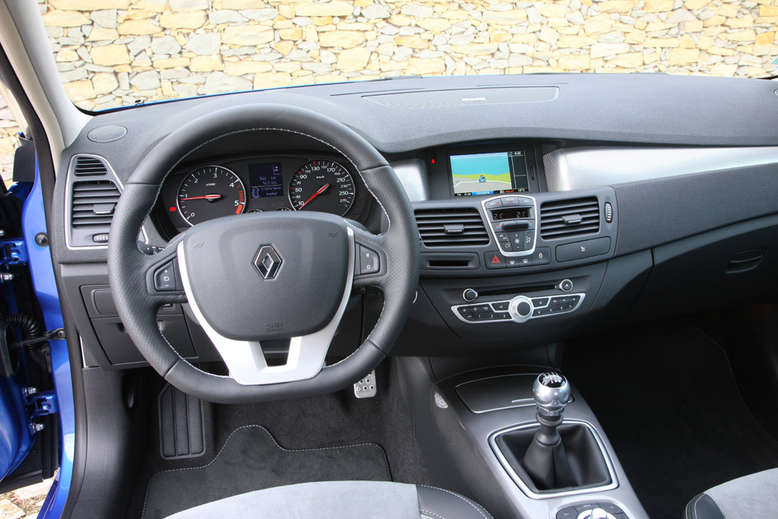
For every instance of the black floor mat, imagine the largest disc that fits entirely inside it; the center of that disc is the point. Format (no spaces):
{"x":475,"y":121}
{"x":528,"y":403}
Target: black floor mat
{"x":670,"y":405}
{"x":251,"y":459}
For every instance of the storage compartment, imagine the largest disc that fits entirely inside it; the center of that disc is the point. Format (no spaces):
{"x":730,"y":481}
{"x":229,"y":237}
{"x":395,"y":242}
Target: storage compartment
{"x":498,"y":392}
{"x":115,"y":342}
{"x":731,"y":265}
{"x":120,"y":349}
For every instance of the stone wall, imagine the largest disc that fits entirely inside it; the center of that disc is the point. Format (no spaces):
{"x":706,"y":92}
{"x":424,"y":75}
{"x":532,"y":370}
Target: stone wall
{"x":113,"y":52}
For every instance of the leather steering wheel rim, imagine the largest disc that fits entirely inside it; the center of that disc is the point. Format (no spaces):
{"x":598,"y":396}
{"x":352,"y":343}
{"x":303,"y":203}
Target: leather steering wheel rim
{"x":128,"y":265}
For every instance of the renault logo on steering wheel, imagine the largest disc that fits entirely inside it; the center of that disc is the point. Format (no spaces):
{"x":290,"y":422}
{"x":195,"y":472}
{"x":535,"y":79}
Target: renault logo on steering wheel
{"x":267,"y":262}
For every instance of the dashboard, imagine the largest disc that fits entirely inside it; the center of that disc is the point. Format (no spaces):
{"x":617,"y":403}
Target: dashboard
{"x":222,"y":186}
{"x":537,"y":220}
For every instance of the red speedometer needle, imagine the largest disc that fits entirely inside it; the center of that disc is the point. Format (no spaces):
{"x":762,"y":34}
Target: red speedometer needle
{"x":210,"y":198}
{"x":319,"y":191}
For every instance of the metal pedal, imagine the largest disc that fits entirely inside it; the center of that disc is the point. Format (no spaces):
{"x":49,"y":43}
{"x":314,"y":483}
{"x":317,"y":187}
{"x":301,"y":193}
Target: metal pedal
{"x":366,"y":387}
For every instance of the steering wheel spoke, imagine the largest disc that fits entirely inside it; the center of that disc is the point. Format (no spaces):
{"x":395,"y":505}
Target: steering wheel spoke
{"x":245,"y":359}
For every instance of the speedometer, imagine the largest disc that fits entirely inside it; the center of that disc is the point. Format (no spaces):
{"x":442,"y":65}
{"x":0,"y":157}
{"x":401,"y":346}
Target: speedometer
{"x":322,"y":185}
{"x":210,"y":192}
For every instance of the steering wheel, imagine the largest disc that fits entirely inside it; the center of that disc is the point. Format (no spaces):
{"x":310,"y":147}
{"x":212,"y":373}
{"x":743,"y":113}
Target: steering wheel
{"x":267,"y":276}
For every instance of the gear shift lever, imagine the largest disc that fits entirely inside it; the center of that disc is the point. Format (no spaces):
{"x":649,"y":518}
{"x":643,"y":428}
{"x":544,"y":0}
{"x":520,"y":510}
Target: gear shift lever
{"x":546,"y":460}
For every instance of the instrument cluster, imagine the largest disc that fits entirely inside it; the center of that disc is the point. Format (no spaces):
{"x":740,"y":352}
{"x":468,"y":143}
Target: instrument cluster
{"x":199,"y":192}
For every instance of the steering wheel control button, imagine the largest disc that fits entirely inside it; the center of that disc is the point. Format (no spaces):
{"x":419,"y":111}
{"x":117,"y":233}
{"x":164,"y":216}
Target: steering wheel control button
{"x":469,"y":294}
{"x":565,"y":285}
{"x":165,"y":278}
{"x":369,"y":261}
{"x":583,"y":249}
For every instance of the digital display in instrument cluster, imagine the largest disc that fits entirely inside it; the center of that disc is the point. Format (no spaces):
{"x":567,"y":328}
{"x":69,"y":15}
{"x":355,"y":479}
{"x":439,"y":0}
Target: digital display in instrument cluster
{"x":489,"y":173}
{"x":266,"y":180}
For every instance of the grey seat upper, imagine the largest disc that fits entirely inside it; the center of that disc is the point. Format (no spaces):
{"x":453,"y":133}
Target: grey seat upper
{"x":342,"y":500}
{"x":751,"y":497}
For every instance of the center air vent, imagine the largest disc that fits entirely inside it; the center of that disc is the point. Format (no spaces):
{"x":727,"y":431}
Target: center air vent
{"x":569,"y":218}
{"x":87,"y":166}
{"x":93,"y":204}
{"x":448,"y":227}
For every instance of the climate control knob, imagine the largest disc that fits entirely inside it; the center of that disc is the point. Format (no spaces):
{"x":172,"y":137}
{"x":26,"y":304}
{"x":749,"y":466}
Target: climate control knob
{"x":520,"y":309}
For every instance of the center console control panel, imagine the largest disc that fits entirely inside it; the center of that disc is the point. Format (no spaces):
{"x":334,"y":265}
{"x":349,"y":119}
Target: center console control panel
{"x":511,"y":220}
{"x":519,"y":309}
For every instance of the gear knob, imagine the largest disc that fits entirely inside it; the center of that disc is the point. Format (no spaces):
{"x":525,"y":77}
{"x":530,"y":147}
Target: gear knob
{"x":552,"y":393}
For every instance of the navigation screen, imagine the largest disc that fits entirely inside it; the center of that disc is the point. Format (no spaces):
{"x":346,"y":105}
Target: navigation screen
{"x":489,"y":173}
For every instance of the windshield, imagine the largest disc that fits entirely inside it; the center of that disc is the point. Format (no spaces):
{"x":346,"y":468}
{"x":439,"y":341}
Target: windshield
{"x":120,"y":52}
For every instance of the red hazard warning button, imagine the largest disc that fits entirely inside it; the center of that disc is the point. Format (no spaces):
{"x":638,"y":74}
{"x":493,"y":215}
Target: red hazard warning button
{"x":494,"y":260}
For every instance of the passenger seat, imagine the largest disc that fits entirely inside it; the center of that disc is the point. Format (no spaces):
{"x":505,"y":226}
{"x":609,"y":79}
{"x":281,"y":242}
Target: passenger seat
{"x":751,"y":497}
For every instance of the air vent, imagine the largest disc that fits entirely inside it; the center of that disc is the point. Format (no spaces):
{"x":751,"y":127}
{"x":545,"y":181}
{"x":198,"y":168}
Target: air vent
{"x":448,"y":227}
{"x":569,"y":218}
{"x":87,"y":166}
{"x":93,"y":203}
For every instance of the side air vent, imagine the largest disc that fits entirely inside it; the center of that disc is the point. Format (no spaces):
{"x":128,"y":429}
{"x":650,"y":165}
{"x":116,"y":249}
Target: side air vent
{"x":569,"y":218}
{"x":87,"y":166}
{"x":448,"y":227}
{"x":93,"y":204}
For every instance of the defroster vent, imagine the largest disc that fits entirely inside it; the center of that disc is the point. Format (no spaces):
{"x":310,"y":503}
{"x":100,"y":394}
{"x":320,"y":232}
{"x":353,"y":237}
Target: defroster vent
{"x":569,"y":218}
{"x":449,"y":227}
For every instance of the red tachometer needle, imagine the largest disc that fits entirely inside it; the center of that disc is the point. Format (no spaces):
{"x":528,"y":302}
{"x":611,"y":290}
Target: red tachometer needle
{"x":319,"y":191}
{"x":210,"y":198}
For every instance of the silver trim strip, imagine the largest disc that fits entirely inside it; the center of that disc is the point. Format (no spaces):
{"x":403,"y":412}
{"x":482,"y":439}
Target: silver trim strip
{"x":516,"y":403}
{"x":410,"y":173}
{"x":583,"y":168}
{"x":490,"y":224}
{"x":614,"y":482}
{"x":245,"y":360}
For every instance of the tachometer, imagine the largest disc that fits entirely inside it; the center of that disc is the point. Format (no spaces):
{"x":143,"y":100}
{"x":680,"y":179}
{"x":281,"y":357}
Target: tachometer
{"x":210,"y":192}
{"x":322,"y":185}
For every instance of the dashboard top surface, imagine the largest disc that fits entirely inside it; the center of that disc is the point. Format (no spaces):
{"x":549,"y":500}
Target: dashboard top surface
{"x":402,"y":115}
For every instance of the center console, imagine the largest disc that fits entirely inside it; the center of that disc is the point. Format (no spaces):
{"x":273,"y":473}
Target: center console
{"x":501,"y":254}
{"x":520,"y":440}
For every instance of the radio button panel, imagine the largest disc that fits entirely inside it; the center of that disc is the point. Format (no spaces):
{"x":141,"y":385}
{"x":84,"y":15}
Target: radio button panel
{"x":519,"y":309}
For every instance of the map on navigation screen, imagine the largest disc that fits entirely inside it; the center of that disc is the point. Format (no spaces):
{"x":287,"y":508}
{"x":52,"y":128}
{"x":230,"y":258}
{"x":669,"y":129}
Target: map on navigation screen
{"x":482,"y":173}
